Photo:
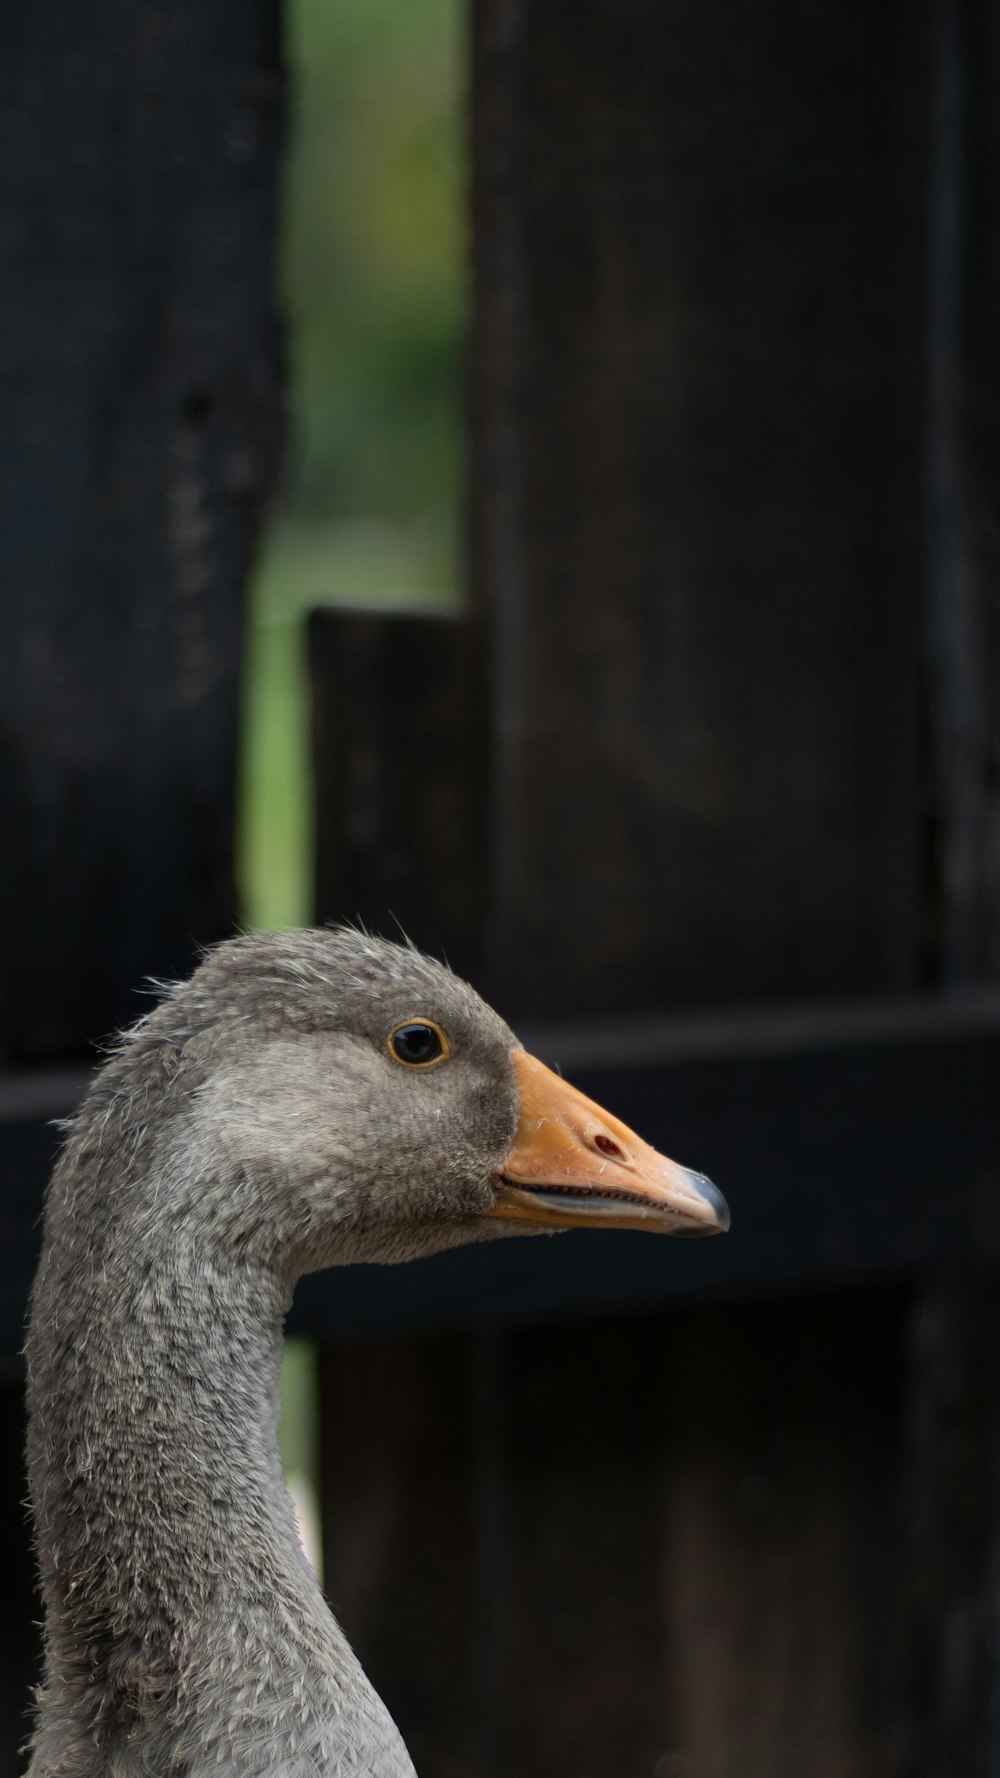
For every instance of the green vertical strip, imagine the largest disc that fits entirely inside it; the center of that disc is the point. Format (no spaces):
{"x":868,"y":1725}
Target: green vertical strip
{"x":274,"y":843}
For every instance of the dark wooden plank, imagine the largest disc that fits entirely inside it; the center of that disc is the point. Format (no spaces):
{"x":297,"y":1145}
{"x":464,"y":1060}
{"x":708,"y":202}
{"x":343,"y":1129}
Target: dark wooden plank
{"x":951,"y":1491}
{"x":693,"y":403}
{"x":138,"y":432}
{"x":587,"y":1429}
{"x":963,"y":478}
{"x":27,"y":1151}
{"x":401,"y":1503}
{"x":949,"y":1723}
{"x":20,"y":1643}
{"x":671,"y":1540}
{"x":398,"y":772}
{"x":31,"y":1102}
{"x":781,"y":1537}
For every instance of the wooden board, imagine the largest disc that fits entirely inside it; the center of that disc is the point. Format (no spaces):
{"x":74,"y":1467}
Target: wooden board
{"x":398,"y":769}
{"x":138,"y":433}
{"x":951,"y":1552}
{"x":20,"y":1642}
{"x":696,"y":375}
{"x":962,"y":516}
{"x":658,"y":1546}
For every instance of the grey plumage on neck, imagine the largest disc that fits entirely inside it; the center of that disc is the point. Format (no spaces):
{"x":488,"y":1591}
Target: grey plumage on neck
{"x":260,"y":1122}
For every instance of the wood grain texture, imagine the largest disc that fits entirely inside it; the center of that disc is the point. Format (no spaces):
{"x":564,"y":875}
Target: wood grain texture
{"x":400,"y":1500}
{"x":963,"y":478}
{"x":670,"y":1542}
{"x":20,"y":1638}
{"x":138,"y":433}
{"x":693,"y":403}
{"x":949,"y":1496}
{"x":781,"y":1539}
{"x":397,"y":731}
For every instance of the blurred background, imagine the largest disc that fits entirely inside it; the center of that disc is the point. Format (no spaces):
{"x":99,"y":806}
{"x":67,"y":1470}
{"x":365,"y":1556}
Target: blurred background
{"x":374,"y":287}
{"x":531,"y":475}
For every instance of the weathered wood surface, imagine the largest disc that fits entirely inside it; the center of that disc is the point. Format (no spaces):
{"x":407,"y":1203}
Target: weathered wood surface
{"x":949,"y":1504}
{"x":695,"y":374}
{"x":398,"y":767}
{"x":138,"y":431}
{"x":20,"y":1645}
{"x":962,"y":514}
{"x":398,"y":1452}
{"x":951,"y":1490}
{"x":659,"y":1547}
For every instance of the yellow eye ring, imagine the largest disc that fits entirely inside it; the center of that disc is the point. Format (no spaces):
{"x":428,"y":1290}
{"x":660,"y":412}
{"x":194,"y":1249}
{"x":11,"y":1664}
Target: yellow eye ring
{"x":418,"y":1043}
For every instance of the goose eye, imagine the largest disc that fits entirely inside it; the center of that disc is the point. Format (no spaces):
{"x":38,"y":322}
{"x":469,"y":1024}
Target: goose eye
{"x":419,"y":1043}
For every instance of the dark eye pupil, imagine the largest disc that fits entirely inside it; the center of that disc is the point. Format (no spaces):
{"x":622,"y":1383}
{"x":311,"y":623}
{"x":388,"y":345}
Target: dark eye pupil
{"x":416,"y":1043}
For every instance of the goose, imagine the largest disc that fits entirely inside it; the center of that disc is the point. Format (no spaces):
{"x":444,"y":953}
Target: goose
{"x":302,"y":1100}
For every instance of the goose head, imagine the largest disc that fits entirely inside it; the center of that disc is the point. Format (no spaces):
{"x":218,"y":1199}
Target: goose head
{"x":326,"y":1097}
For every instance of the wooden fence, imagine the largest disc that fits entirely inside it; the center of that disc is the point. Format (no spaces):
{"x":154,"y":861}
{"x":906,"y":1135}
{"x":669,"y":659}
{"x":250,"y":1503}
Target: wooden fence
{"x":702,"y":790}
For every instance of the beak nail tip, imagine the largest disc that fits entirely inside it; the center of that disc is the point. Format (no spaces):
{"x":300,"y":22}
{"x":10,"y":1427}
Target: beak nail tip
{"x":711,"y":1195}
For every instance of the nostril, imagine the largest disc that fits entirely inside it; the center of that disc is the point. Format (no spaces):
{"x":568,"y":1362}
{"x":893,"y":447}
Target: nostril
{"x":607,"y":1146}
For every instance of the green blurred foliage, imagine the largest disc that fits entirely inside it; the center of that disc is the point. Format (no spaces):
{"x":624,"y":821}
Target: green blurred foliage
{"x":373,"y":290}
{"x":374,"y":253}
{"x":298,"y":1429}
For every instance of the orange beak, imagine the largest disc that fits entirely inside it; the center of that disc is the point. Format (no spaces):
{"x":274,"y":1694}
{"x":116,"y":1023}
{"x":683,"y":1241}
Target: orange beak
{"x":573,"y":1165}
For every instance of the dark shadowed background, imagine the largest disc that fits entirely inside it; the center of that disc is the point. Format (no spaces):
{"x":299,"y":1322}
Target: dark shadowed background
{"x":531,"y":473}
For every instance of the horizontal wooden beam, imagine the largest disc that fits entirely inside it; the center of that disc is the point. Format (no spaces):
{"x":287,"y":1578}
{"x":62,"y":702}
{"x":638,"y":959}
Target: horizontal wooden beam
{"x":774,"y":1030}
{"x":852,"y":1143}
